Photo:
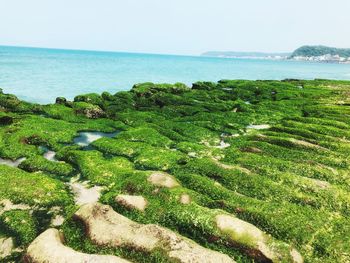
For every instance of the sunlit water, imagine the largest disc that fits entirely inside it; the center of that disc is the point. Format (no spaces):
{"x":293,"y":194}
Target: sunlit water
{"x":41,"y":75}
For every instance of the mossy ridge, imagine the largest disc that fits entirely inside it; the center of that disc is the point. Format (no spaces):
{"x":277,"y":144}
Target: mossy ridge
{"x":168,"y":127}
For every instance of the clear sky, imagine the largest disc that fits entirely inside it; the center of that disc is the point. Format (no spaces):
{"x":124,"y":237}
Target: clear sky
{"x":175,"y":26}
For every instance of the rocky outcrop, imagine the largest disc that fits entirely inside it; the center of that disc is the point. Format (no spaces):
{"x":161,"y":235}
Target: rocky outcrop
{"x":105,"y":227}
{"x":94,"y":113}
{"x":61,"y":100}
{"x":49,"y":248}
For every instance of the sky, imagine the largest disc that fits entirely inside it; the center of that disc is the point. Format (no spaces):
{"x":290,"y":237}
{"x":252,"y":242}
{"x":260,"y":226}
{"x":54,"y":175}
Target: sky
{"x":187,"y":27}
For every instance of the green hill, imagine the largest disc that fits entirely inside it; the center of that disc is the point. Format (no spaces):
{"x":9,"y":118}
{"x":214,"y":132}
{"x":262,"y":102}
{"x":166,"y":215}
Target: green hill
{"x":314,"y":51}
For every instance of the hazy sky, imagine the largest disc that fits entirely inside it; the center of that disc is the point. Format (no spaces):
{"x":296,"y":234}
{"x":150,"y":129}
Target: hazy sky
{"x":177,"y":26}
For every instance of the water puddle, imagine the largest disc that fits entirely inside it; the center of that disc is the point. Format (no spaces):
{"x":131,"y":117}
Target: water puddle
{"x":82,"y":193}
{"x":86,"y":138}
{"x":48,"y":154}
{"x":12,"y":163}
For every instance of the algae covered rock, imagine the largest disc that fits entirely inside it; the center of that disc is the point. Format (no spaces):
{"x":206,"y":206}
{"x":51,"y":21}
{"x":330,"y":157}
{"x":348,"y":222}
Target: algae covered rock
{"x":108,"y":228}
{"x":255,"y":242}
{"x":61,"y":100}
{"x":6,"y":120}
{"x":90,"y":111}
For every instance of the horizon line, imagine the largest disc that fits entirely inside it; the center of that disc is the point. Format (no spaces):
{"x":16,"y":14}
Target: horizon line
{"x":136,"y":52}
{"x":99,"y":50}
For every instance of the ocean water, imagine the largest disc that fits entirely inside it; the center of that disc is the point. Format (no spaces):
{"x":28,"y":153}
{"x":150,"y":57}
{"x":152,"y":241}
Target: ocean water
{"x":41,"y":75}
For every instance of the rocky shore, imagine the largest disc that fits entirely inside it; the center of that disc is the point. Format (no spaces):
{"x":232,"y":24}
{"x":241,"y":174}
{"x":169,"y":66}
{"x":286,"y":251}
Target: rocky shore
{"x":233,"y":171}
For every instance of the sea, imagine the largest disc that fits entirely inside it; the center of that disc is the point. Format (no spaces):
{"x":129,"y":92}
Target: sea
{"x":40,"y":75}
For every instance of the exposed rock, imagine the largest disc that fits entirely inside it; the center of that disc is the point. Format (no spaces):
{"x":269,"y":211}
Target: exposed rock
{"x":61,"y":100}
{"x":58,"y":220}
{"x":259,"y":127}
{"x":6,"y":247}
{"x":228,"y":167}
{"x":306,"y":144}
{"x":296,"y":257}
{"x":251,"y":150}
{"x":320,"y":184}
{"x":7,"y":205}
{"x":49,"y":248}
{"x":223,"y":145}
{"x":108,"y":228}
{"x":91,"y":111}
{"x":132,"y":202}
{"x":185,"y":199}
{"x":163,"y":180}
{"x":253,"y":241}
{"x":94,"y":113}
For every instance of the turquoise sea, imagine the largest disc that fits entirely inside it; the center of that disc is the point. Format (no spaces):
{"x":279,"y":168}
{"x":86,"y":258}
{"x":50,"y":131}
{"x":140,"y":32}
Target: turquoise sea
{"x":41,"y":75}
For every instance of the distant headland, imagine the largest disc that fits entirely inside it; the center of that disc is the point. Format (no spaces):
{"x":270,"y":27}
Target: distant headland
{"x":304,"y":53}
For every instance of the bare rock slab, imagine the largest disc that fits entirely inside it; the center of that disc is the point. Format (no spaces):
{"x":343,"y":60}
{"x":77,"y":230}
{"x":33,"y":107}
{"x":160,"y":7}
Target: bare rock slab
{"x":48,"y":248}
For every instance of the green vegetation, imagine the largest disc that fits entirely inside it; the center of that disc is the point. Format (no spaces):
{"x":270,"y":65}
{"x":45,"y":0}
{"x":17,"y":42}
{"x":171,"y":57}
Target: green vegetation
{"x":314,"y":51}
{"x":273,"y":154}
